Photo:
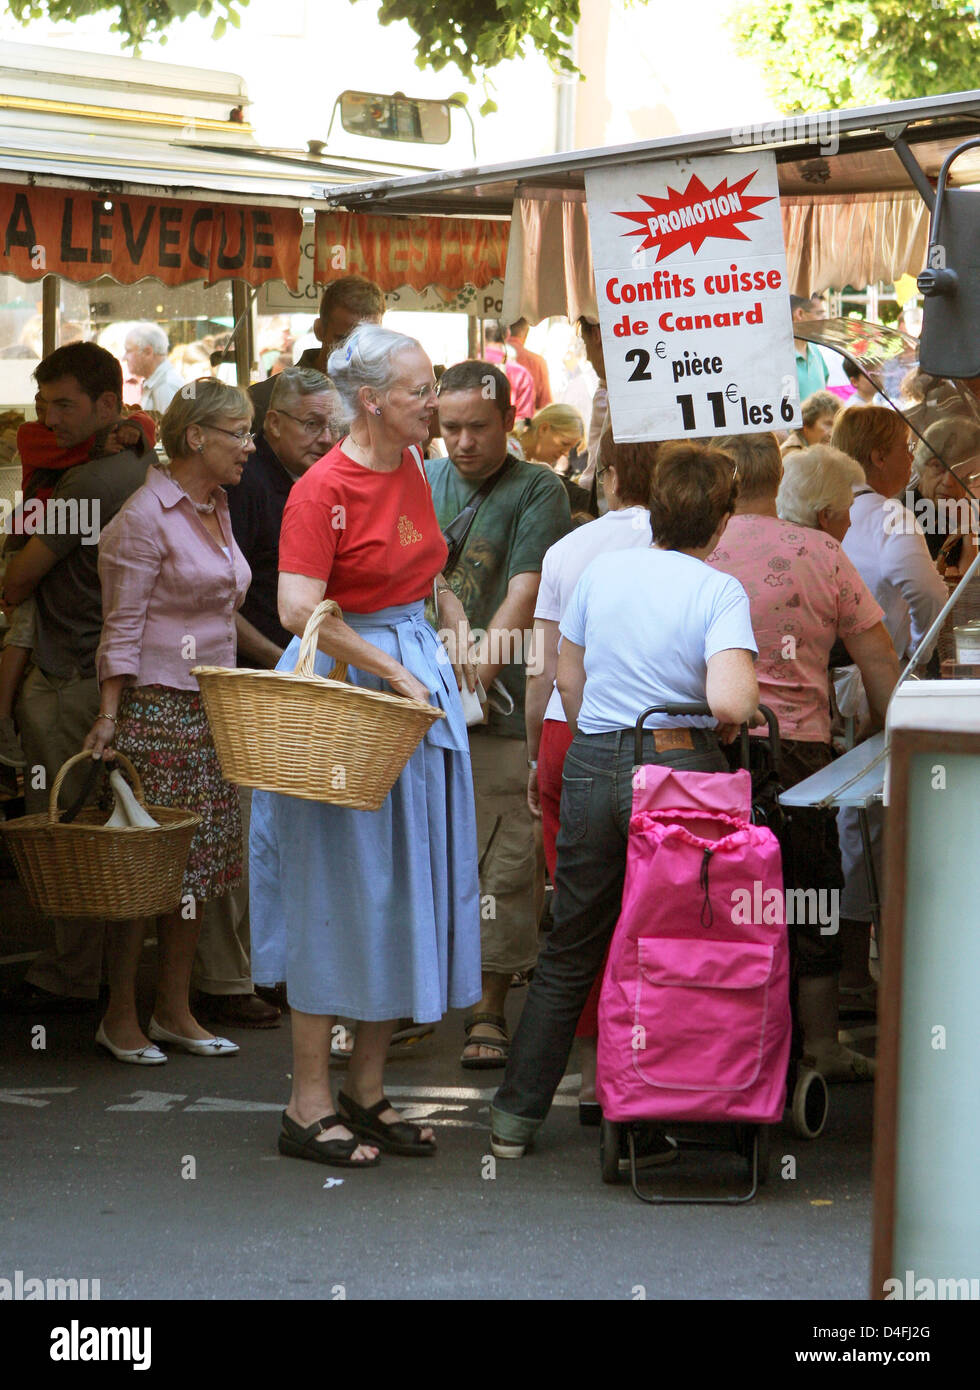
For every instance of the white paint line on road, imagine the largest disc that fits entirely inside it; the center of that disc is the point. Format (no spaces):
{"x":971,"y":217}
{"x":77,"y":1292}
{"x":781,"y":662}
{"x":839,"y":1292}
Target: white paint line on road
{"x":156,"y":1102}
{"x":215,"y":1105}
{"x":20,"y":1095}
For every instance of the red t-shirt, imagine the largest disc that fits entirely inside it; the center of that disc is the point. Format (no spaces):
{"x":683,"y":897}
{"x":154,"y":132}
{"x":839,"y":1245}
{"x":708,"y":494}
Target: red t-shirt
{"x":372,"y":537}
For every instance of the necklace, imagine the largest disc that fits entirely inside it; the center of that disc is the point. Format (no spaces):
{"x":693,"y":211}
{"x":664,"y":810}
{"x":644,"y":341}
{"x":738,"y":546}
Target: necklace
{"x":204,"y":508}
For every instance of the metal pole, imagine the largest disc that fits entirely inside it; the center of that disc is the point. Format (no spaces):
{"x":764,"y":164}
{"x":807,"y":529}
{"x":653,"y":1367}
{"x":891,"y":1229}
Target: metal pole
{"x":50,"y":301}
{"x":240,"y":308}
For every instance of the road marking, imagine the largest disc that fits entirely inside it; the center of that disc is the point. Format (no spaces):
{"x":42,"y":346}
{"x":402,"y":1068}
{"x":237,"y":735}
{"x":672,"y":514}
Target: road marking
{"x":428,"y":1103}
{"x":217,"y":1105}
{"x":155,"y":1102}
{"x":20,"y":1095}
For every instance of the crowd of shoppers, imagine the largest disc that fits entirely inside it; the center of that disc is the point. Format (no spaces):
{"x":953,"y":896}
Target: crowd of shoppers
{"x":721,"y":574}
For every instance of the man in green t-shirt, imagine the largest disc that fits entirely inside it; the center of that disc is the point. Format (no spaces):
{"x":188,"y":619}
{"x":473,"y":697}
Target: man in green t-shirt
{"x":496,"y":578}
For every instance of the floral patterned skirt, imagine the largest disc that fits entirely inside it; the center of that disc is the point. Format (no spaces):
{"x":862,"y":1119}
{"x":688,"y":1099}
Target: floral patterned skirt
{"x":166,"y":736}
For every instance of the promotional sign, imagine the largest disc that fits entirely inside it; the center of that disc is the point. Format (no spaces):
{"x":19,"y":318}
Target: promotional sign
{"x":694,"y":311}
{"x":81,"y":236}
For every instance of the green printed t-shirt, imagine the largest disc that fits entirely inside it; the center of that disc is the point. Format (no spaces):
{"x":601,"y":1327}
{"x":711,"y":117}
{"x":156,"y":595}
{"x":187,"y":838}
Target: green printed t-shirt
{"x":524,"y":515}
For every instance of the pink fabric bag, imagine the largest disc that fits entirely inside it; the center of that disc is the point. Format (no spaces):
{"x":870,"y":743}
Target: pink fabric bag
{"x":694,"y":1016}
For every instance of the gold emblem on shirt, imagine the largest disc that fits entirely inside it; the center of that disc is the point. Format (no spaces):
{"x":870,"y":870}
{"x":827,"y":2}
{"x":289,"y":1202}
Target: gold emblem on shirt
{"x":407,"y":533}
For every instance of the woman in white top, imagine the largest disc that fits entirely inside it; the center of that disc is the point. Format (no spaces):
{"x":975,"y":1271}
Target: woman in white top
{"x":624,"y":474}
{"x":889,"y":551}
{"x":885,"y":543}
{"x":643,"y":627}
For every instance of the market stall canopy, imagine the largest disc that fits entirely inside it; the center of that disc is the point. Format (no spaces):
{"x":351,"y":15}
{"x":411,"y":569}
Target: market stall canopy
{"x":851,"y":214}
{"x":88,"y":188}
{"x":447,"y":257}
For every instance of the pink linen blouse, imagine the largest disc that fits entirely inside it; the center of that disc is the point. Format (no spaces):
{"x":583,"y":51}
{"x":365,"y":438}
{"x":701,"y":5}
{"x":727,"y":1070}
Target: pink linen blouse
{"x":169,"y":591}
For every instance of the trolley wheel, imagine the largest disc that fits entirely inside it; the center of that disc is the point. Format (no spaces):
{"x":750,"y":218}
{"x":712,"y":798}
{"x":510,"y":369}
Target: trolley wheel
{"x":610,"y":1150}
{"x":810,"y":1103}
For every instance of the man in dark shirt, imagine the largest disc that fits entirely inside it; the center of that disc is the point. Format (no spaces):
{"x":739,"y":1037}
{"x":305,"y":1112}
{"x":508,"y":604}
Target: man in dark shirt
{"x":81,"y":385}
{"x":345,"y":303}
{"x":300,"y":426}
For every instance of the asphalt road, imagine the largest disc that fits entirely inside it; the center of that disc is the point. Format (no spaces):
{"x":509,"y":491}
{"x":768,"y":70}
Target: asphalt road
{"x":165,"y":1183}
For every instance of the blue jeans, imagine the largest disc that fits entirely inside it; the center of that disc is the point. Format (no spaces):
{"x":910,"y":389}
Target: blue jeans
{"x":596,"y":801}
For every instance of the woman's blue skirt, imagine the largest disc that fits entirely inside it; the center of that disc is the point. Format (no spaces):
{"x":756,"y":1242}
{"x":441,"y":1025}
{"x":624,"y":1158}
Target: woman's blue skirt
{"x":375,"y":914}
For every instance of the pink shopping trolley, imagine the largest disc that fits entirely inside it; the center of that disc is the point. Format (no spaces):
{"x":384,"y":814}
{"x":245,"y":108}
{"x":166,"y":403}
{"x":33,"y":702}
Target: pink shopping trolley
{"x":694,"y":1015}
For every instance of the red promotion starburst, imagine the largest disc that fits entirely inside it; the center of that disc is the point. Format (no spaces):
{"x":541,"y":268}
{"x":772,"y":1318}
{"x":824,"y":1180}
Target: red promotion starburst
{"x":694,"y":215}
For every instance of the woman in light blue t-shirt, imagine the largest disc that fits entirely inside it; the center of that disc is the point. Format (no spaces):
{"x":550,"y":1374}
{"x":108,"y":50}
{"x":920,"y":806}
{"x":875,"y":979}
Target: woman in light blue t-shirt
{"x":643,"y":627}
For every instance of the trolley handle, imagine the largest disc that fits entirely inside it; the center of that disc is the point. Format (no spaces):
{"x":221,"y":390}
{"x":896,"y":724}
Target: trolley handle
{"x":772,"y":734}
{"x":676,"y":710}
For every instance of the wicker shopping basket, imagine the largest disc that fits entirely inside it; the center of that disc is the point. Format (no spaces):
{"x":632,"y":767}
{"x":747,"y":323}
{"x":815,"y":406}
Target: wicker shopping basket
{"x":86,"y":869}
{"x":315,"y":737}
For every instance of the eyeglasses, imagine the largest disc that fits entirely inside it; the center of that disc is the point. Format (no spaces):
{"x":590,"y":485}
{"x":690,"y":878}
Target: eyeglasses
{"x":600,"y":473}
{"x":312,"y":427}
{"x":421,"y":392}
{"x":243,"y":436}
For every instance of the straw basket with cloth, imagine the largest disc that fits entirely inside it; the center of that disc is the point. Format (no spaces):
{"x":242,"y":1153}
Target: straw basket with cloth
{"x":91,"y":864}
{"x":302,"y":734}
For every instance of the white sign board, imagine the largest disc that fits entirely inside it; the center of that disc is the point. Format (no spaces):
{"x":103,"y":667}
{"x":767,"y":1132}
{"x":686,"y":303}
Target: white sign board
{"x":694,"y":311}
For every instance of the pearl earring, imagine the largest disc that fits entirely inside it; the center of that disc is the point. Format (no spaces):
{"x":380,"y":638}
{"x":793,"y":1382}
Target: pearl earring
{"x":377,"y":410}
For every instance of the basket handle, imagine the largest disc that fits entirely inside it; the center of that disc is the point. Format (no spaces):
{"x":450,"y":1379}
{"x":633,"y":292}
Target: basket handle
{"x":308,"y":646}
{"x":121,"y":758}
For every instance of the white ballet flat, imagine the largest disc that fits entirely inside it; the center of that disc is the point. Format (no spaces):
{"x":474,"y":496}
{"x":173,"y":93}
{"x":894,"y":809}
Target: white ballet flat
{"x":198,"y":1047}
{"x":148,"y":1056}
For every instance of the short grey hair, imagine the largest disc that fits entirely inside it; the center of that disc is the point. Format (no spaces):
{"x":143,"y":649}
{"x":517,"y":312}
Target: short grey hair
{"x":366,"y":358}
{"x":201,"y":402}
{"x":955,"y":439}
{"x":149,"y":335}
{"x":757,"y":461}
{"x":292,"y":383}
{"x":814,"y":479}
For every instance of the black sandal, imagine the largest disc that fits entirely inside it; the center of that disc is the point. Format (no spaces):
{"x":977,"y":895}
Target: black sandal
{"x":296,"y":1142}
{"x":398,"y":1137}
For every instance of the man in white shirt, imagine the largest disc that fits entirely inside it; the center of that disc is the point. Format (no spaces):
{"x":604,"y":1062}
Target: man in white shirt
{"x":146,"y":351}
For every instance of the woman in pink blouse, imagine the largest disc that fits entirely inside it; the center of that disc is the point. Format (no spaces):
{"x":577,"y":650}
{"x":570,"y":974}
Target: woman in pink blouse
{"x":804,"y":593}
{"x":172,"y":581}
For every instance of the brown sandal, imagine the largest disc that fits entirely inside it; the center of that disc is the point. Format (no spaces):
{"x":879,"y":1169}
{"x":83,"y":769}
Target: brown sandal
{"x":500,"y":1044}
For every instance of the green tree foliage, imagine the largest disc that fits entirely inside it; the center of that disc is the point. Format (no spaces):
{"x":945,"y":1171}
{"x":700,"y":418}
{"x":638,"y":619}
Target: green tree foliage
{"x":138,"y":20}
{"x":474,"y":34}
{"x":836,"y":53}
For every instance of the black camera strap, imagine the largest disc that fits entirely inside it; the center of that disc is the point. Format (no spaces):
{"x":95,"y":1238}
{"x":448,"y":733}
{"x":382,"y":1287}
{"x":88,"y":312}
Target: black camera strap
{"x":459,"y":528}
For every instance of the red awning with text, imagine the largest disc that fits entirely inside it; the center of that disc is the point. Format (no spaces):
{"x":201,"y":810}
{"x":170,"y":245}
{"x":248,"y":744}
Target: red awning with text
{"x":81,"y":235}
{"x":445,"y":253}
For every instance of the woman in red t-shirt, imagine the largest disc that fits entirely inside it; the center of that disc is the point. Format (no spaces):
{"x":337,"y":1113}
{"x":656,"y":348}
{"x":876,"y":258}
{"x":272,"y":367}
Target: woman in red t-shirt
{"x":373,"y":915}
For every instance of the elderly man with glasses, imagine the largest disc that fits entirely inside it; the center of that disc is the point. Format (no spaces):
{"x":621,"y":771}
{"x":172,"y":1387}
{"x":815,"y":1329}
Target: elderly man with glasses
{"x":298,"y":429}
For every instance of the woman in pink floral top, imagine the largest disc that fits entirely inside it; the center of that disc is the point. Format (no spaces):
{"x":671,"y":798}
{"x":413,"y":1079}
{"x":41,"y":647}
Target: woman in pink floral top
{"x":804,"y":594}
